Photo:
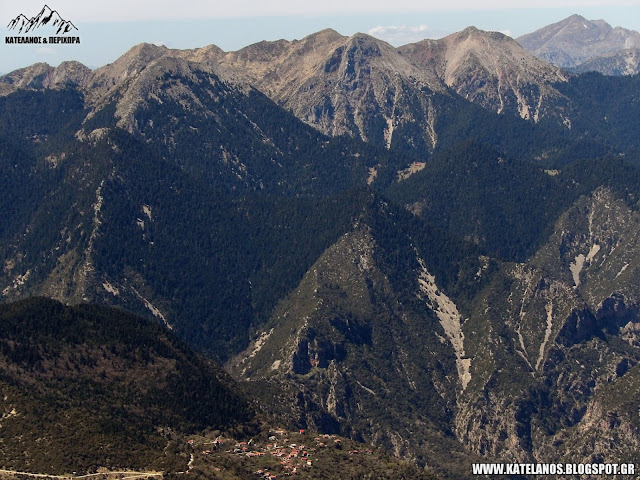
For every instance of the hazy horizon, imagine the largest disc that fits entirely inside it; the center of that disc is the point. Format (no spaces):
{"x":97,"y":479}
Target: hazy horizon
{"x":107,"y":31}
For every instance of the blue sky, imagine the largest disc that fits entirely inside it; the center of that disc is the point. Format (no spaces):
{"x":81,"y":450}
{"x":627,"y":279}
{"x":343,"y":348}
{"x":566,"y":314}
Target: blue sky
{"x":110,"y":27}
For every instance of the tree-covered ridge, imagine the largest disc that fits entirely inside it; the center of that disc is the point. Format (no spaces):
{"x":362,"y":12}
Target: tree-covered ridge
{"x":241,"y":141}
{"x":91,"y":386}
{"x":504,"y":205}
{"x":607,"y":110}
{"x":213,"y":256}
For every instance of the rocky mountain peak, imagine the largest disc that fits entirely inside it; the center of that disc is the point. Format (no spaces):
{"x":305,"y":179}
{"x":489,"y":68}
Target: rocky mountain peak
{"x":265,"y":51}
{"x":43,"y":75}
{"x":488,"y":68}
{"x":364,"y":39}
{"x":136,"y":59}
{"x":206,"y":56}
{"x":580,"y":26}
{"x":282,"y":64}
{"x":331,"y":82}
{"x":328,"y":35}
{"x":575,"y":39}
{"x":105,"y":80}
{"x":145,"y":51}
{"x":279,"y":50}
{"x":364,"y":51}
{"x":169,"y":77}
{"x":474,"y":34}
{"x":24,"y":77}
{"x":600,"y":23}
{"x":469,"y":31}
{"x":71,"y":72}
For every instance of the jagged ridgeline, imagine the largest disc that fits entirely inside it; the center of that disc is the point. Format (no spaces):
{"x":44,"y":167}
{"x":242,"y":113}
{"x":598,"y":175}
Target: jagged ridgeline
{"x":91,"y":386}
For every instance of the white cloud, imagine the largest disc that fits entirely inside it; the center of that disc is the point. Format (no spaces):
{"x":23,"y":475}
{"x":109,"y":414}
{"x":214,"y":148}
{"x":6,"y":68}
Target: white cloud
{"x":398,"y":35}
{"x":508,"y":33}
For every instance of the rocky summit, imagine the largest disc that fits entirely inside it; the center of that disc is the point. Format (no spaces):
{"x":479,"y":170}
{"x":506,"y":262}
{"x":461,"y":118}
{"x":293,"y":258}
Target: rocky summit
{"x":575,"y":40}
{"x":491,"y":69}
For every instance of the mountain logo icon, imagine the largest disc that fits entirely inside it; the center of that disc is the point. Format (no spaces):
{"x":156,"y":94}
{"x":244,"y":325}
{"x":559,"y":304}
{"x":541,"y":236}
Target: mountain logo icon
{"x":46,"y":17}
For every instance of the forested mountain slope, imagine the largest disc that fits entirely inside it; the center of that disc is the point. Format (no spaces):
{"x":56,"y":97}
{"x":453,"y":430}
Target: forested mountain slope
{"x":91,"y":386}
{"x":425,"y":274}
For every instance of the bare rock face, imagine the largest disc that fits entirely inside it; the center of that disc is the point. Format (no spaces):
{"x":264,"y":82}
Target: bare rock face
{"x":348,"y":341}
{"x":71,"y":72}
{"x":492,"y":70}
{"x":540,"y":363}
{"x":42,"y":75}
{"x":572,"y":305}
{"x":130,"y":81}
{"x":575,"y":40}
{"x":140,"y":75}
{"x":358,"y":85}
{"x":28,"y":76}
{"x":594,"y":249}
{"x":128,"y":65}
{"x":624,"y":62}
{"x":279,"y":68}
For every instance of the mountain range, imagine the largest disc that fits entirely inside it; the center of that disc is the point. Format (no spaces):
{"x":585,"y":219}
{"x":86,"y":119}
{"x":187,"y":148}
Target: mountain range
{"x":429,"y":249}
